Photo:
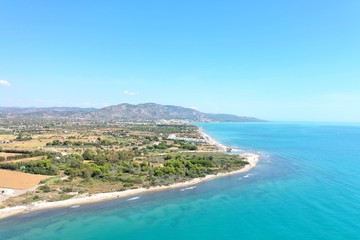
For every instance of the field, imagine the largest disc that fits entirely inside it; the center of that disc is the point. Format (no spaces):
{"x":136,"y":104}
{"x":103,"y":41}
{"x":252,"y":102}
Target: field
{"x":4,"y":154}
{"x":25,"y":159}
{"x":19,"y":180}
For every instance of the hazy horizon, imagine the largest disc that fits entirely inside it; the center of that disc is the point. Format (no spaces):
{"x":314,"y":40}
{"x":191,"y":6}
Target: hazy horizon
{"x":267,"y":120}
{"x":289,"y":61}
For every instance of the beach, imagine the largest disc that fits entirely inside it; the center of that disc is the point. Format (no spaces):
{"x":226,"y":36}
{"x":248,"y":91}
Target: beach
{"x":86,"y":199}
{"x":212,"y":141}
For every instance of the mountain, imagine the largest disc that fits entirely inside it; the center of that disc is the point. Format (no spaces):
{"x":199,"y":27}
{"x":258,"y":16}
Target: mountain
{"x":231,"y":118}
{"x":124,"y":112}
{"x":150,"y":111}
{"x":50,"y":112}
{"x":19,"y":111}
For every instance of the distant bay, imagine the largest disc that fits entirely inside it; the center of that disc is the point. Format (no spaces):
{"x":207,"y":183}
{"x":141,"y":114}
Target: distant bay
{"x":306,"y":186}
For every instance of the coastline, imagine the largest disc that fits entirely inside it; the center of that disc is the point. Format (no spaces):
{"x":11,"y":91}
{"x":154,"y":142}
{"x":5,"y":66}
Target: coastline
{"x":212,"y":141}
{"x":85,"y":199}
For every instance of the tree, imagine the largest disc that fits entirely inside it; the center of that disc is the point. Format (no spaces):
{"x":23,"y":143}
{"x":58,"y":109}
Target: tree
{"x":89,"y":154}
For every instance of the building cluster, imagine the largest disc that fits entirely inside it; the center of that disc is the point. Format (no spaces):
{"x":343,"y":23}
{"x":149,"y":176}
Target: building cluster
{"x":174,"y":138}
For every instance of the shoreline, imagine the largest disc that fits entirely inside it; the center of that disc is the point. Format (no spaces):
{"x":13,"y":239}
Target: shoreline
{"x":221,"y":147}
{"x":84,"y":199}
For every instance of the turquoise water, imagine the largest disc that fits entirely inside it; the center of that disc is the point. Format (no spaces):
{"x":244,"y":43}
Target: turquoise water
{"x":306,"y":186}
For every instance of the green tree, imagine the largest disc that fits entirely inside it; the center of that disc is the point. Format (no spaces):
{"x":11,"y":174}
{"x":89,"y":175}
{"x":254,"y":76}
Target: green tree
{"x":89,"y":154}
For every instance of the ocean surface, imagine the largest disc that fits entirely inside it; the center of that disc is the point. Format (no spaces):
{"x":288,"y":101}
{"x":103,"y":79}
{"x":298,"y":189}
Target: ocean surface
{"x":306,"y":186}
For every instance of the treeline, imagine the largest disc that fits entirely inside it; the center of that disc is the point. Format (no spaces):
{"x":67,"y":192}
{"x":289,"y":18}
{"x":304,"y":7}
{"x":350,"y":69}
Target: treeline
{"x":14,"y":151}
{"x":97,"y":143}
{"x":188,"y":146}
{"x":163,"y":128}
{"x":44,"y":167}
{"x":22,"y":154}
{"x":127,"y":168}
{"x":198,"y":165}
{"x":74,"y":166}
{"x":5,"y":132}
{"x":183,"y":145}
{"x":23,"y":138}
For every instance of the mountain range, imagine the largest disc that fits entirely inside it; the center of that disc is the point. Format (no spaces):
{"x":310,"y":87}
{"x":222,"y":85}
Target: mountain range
{"x":124,"y":112}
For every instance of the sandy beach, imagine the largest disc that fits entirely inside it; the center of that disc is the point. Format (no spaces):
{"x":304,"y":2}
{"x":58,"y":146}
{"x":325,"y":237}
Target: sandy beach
{"x":210,"y":140}
{"x":86,"y":199}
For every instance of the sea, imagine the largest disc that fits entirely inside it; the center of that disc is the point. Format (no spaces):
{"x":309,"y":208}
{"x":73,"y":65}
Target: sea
{"x":305,"y":186}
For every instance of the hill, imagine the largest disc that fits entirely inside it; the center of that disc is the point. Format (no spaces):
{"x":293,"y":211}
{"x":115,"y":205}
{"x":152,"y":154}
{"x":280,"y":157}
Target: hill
{"x":124,"y":112}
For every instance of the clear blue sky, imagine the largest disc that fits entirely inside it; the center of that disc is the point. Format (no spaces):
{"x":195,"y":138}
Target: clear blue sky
{"x":277,"y":60}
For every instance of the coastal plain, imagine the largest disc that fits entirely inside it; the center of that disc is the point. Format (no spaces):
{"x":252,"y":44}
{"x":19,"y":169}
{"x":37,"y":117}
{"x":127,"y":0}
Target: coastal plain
{"x":70,"y":163}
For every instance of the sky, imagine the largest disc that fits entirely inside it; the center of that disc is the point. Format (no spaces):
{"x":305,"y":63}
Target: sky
{"x":281,"y":60}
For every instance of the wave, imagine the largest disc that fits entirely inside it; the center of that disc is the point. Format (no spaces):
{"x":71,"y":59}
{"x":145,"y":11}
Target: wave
{"x":134,"y":198}
{"x":188,"y":188}
{"x":248,"y":175}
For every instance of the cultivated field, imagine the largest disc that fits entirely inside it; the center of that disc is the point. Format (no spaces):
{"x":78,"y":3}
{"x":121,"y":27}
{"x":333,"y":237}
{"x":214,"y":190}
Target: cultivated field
{"x":19,"y":180}
{"x":25,"y":159}
{"x":4,"y":154}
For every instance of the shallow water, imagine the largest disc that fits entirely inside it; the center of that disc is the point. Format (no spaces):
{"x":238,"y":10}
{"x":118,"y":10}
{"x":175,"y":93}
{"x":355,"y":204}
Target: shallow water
{"x":306,"y":186}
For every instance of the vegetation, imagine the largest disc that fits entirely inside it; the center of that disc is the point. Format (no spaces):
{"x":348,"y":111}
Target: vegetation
{"x":92,"y":157}
{"x":21,"y":137}
{"x":20,"y":154}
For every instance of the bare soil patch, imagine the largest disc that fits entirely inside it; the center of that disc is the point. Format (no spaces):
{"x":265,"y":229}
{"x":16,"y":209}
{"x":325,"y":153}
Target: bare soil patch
{"x":18,"y":180}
